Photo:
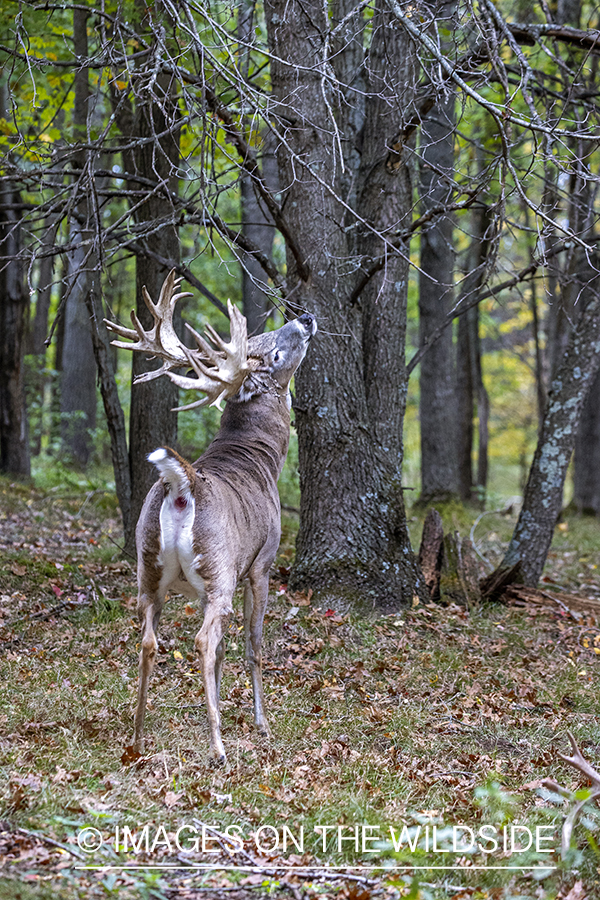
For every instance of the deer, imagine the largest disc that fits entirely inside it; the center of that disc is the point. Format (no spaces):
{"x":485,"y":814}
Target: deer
{"x":207,"y":525}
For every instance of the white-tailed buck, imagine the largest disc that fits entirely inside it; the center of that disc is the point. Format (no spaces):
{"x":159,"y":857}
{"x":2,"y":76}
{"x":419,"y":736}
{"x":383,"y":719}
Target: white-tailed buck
{"x":204,"y":526}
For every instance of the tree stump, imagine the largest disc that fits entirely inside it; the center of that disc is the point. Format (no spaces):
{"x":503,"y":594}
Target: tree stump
{"x":459,"y":580}
{"x":448,"y":564}
{"x":431,"y":552}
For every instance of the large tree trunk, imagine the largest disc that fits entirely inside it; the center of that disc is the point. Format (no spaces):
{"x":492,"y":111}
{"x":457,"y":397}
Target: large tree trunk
{"x":542,"y":501}
{"x":153,"y":423}
{"x":14,"y":443}
{"x":353,"y":543}
{"x":437,"y":380}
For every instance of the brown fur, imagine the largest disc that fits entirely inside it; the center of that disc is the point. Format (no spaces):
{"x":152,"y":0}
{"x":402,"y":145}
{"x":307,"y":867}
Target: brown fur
{"x":236,"y":526}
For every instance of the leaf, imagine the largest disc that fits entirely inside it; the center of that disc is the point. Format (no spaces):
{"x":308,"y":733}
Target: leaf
{"x":177,"y":655}
{"x":130,"y":755}
{"x":577,"y":892}
{"x":172,"y":799}
{"x":18,"y":569}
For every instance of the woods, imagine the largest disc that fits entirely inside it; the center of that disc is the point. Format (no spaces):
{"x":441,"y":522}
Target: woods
{"x":427,"y":178}
{"x":421,"y":179}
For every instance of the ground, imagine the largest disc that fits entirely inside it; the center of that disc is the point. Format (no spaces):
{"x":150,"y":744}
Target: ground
{"x":434,"y":718}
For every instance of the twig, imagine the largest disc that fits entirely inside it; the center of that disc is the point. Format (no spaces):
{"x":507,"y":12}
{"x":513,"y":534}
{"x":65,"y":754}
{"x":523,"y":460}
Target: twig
{"x":48,"y":840}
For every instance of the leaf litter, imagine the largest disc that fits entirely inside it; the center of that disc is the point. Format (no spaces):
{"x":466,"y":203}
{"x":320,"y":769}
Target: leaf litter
{"x":390,"y":721}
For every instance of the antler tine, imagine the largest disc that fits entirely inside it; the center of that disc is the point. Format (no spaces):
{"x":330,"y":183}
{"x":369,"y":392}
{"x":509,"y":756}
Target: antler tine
{"x":579,"y":761}
{"x":161,"y":340}
{"x":204,"y":346}
{"x":219,"y":372}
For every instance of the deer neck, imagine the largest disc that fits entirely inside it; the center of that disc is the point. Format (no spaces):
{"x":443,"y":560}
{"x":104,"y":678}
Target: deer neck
{"x":262,"y":425}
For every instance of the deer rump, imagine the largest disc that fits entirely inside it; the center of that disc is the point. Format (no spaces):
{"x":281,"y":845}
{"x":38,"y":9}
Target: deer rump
{"x":207,"y":523}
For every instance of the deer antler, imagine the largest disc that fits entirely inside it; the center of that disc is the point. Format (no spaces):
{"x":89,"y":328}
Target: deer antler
{"x":579,"y":762}
{"x":219,"y":372}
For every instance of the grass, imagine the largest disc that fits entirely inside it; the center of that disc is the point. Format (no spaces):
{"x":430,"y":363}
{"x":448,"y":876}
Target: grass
{"x":438,"y":716}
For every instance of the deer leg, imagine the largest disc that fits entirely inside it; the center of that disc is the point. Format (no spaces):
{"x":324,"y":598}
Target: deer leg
{"x":256,"y":593}
{"x":209,"y":644}
{"x":149,"y":610}
{"x":219,"y":657}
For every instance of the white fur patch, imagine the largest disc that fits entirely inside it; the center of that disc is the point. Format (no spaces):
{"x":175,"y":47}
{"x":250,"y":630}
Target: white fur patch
{"x":177,"y":515}
{"x":177,"y":543}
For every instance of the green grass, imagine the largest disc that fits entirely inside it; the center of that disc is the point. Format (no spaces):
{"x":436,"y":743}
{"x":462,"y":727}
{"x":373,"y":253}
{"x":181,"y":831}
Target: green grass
{"x":437,"y":716}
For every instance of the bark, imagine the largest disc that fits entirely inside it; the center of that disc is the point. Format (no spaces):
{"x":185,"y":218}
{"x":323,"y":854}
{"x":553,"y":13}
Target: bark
{"x":14,"y":443}
{"x":431,"y":552}
{"x":152,"y":423}
{"x":257,"y":227}
{"x":586,"y":480}
{"x":36,"y":336}
{"x":115,"y":420}
{"x":78,"y":382}
{"x":353,"y":544}
{"x":437,"y":380}
{"x":39,"y":327}
{"x":459,"y":578}
{"x":543,"y":493}
{"x":470,"y":388}
{"x":257,"y":224}
{"x":465,"y":407}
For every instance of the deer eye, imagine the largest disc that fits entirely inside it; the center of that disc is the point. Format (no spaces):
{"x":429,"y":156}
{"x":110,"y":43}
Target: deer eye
{"x":276,"y":356}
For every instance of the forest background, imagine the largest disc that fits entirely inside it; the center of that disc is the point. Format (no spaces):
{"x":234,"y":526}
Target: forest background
{"x":425,"y":177}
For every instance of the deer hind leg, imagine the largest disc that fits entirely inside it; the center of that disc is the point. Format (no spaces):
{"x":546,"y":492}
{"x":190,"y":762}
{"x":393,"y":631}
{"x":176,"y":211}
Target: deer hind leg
{"x":219,"y":658}
{"x":149,"y":610}
{"x":256,"y":592}
{"x":210,"y":646}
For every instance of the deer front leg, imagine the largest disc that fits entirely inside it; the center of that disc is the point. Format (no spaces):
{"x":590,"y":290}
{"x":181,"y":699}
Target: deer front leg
{"x":209,"y":644}
{"x":256,"y":592}
{"x":149,"y":611}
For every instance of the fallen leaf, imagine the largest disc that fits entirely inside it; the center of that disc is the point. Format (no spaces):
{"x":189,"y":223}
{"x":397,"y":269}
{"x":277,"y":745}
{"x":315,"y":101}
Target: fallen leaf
{"x":130,"y":755}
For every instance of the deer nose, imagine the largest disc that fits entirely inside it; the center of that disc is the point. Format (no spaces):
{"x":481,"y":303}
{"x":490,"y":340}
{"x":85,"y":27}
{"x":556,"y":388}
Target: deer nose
{"x":309,"y":322}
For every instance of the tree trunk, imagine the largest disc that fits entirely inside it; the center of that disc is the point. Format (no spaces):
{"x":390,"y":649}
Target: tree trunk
{"x":586,"y":497}
{"x":78,"y":382}
{"x":257,"y":225}
{"x":353,"y":544}
{"x":437,"y":380}
{"x":14,"y":442}
{"x":543,"y":494}
{"x":469,"y":380}
{"x":153,"y":423}
{"x":465,"y":406}
{"x":115,"y":420}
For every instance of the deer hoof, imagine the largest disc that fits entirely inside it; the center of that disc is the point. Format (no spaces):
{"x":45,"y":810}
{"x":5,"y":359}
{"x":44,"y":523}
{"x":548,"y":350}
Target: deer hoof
{"x":218,"y":762}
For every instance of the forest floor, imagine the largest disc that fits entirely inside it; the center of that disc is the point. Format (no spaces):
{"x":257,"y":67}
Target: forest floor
{"x":437,"y":716}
